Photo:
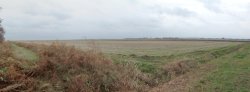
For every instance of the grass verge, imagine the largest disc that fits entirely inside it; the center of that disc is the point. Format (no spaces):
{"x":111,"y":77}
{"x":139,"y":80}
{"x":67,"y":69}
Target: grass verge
{"x":23,"y":53}
{"x":231,"y":75}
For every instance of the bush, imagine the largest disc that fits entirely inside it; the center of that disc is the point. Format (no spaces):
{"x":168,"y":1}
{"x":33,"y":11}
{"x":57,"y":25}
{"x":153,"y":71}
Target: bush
{"x":64,"y":68}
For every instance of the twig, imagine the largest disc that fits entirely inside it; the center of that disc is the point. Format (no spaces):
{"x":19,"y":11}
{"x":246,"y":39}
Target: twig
{"x":11,"y":87}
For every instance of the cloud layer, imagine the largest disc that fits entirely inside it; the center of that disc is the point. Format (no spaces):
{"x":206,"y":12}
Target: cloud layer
{"x":77,"y":19}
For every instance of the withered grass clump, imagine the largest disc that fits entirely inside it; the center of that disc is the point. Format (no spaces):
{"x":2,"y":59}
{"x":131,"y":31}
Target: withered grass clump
{"x":65,"y":68}
{"x":178,"y":68}
{"x":5,"y":50}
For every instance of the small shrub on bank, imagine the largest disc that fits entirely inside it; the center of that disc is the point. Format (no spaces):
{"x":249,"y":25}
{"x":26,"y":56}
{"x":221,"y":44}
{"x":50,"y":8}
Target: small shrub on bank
{"x":64,"y":68}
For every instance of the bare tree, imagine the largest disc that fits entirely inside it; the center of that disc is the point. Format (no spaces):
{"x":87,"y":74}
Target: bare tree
{"x":2,"y":32}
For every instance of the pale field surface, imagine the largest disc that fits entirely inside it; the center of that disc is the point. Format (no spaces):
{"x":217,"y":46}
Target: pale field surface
{"x":153,"y":48}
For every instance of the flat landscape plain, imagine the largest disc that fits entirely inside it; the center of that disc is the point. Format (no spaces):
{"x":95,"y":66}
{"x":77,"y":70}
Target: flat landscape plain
{"x":123,"y":65}
{"x":155,"y":48}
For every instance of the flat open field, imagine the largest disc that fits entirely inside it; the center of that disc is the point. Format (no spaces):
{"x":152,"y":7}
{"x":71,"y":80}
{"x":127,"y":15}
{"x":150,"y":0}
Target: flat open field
{"x":152,"y":48}
{"x":139,"y":66}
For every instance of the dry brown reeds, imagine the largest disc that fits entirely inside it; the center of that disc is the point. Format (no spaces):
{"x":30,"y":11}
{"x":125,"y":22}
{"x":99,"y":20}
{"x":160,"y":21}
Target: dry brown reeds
{"x":65,"y":68}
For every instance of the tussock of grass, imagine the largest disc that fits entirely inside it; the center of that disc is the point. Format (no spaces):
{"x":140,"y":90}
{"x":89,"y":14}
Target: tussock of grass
{"x":178,"y":68}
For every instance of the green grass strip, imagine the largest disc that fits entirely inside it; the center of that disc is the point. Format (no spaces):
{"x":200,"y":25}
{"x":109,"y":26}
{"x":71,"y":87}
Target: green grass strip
{"x":23,"y":53}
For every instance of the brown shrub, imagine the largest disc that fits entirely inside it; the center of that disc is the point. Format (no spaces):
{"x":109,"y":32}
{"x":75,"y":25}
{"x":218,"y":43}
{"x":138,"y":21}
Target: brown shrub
{"x":73,"y":70}
{"x":12,"y":77}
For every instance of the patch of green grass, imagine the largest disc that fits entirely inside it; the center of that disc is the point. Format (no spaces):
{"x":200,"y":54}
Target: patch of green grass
{"x":232,"y":74}
{"x":151,"y":64}
{"x":23,"y":53}
{"x":144,"y":63}
{"x":240,"y":55}
{"x":146,"y":67}
{"x":204,"y":56}
{"x":3,"y":69}
{"x":226,"y":50}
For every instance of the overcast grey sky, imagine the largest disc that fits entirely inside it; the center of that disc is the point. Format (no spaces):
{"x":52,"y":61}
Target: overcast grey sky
{"x":76,"y":19}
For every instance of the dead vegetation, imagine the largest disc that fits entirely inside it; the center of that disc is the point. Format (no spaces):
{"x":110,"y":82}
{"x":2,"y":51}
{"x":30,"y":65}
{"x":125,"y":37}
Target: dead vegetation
{"x":178,"y":68}
{"x":63,"y":68}
{"x":12,"y":77}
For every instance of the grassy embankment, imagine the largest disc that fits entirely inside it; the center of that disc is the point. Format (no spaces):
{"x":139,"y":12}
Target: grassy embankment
{"x":164,"y":68}
{"x":230,"y":75}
